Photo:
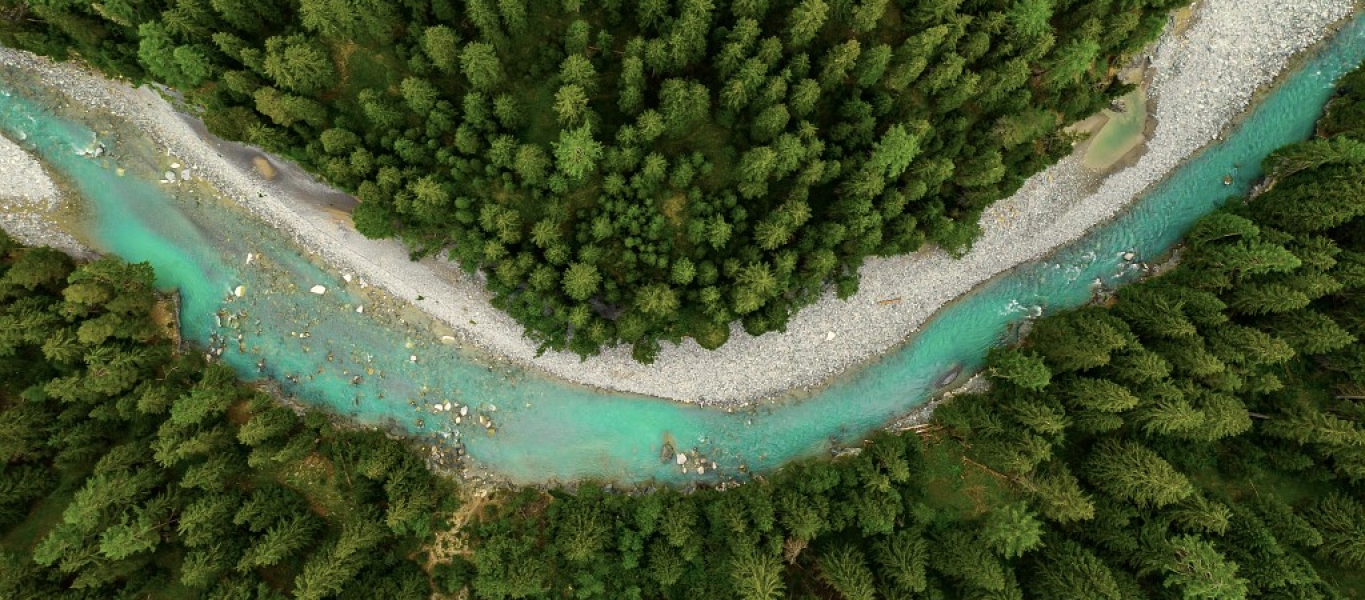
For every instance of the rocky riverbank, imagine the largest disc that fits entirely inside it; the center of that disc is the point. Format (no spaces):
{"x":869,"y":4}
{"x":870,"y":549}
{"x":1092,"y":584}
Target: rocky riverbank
{"x":29,"y":199}
{"x":1205,"y":76}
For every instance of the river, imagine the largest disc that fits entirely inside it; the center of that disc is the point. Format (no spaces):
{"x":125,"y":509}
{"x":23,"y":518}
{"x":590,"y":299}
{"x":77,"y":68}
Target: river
{"x":385,"y":366}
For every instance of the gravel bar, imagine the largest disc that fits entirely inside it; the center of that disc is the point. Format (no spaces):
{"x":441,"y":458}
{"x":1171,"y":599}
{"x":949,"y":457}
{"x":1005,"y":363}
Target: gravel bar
{"x":1204,"y":78}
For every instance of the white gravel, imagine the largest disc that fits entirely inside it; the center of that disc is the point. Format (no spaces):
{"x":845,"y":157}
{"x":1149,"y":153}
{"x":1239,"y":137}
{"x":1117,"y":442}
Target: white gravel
{"x":1204,"y":79}
{"x":27,"y":197}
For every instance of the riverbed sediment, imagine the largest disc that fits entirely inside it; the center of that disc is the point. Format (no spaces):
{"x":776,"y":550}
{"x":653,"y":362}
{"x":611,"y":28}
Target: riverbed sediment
{"x":1204,"y":78}
{"x":29,"y":200}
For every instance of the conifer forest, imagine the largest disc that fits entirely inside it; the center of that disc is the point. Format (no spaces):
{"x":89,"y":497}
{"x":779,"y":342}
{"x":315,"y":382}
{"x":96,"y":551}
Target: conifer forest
{"x":659,"y":169}
{"x":641,"y":171}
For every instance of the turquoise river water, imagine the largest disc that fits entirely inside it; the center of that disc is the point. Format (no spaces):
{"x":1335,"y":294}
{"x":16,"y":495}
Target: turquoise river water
{"x":325,"y":353}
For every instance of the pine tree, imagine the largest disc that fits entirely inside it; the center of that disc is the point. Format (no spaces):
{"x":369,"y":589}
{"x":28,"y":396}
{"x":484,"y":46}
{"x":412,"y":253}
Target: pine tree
{"x":1043,"y":415}
{"x":442,"y":45}
{"x":1222,"y":227}
{"x":203,"y":566}
{"x":756,"y":575}
{"x":1069,"y":62}
{"x":1012,"y":530}
{"x":1168,"y":416}
{"x":582,"y":532}
{"x":1152,"y":313}
{"x":1096,"y":394}
{"x":805,"y":22}
{"x":1311,"y":332}
{"x":1030,"y":20}
{"x":578,"y":70}
{"x":1066,"y":570}
{"x":1266,"y":298}
{"x":571,"y":104}
{"x":576,"y":152}
{"x":837,"y":63}
{"x":1199,"y":570}
{"x":513,"y":14}
{"x":581,"y":281}
{"x":134,"y":535}
{"x":1129,"y":471}
{"x":325,"y":574}
{"x":299,"y":64}
{"x":1081,"y":339}
{"x":1198,"y":514}
{"x":844,"y":568}
{"x":37,"y":268}
{"x":479,"y":63}
{"x":1341,"y":521}
{"x":280,"y":542}
{"x":1312,"y":201}
{"x":961,"y":556}
{"x":208,"y":519}
{"x":901,"y":557}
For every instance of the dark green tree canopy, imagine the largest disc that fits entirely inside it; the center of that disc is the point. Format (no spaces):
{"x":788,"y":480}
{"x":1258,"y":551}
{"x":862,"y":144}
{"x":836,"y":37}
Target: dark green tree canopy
{"x":652,"y":134}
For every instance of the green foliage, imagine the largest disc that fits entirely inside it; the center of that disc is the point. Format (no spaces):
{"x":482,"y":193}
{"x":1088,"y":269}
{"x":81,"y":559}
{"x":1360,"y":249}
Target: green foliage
{"x":576,"y":152}
{"x":893,"y":123}
{"x":1198,"y":570}
{"x":1200,"y":438}
{"x":1012,"y":530}
{"x":153,"y":485}
{"x":299,"y":64}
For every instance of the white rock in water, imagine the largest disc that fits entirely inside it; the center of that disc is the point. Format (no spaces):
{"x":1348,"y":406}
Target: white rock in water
{"x":412,"y":358}
{"x":1129,"y":256}
{"x":170,"y":175}
{"x":175,"y":165}
{"x":250,"y":256}
{"x":185,"y":174}
{"x":360,"y":309}
{"x":464,"y":410}
{"x":447,"y":405}
{"x":240,"y":291}
{"x":346,"y":277}
{"x":317,"y":289}
{"x":701,"y":470}
{"x":682,"y":458}
{"x":437,"y":408}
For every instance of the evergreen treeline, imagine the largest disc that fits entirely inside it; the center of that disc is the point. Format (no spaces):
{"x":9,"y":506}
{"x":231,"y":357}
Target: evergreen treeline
{"x":127,"y":471}
{"x":1200,"y":436}
{"x":635,"y":171}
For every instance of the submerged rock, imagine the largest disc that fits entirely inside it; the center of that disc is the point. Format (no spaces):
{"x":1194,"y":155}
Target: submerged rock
{"x":318,"y":289}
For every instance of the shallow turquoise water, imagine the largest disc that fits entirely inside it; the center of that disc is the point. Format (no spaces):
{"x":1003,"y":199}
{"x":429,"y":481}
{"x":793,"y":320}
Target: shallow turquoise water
{"x":547,"y":429}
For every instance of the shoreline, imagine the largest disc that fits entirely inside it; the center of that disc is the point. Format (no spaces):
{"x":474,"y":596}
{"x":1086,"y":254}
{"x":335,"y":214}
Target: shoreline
{"x":1247,"y":44}
{"x":32,"y":201}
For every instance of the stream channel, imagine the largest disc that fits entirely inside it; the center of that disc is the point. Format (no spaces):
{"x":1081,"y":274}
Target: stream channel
{"x":325,"y":353}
